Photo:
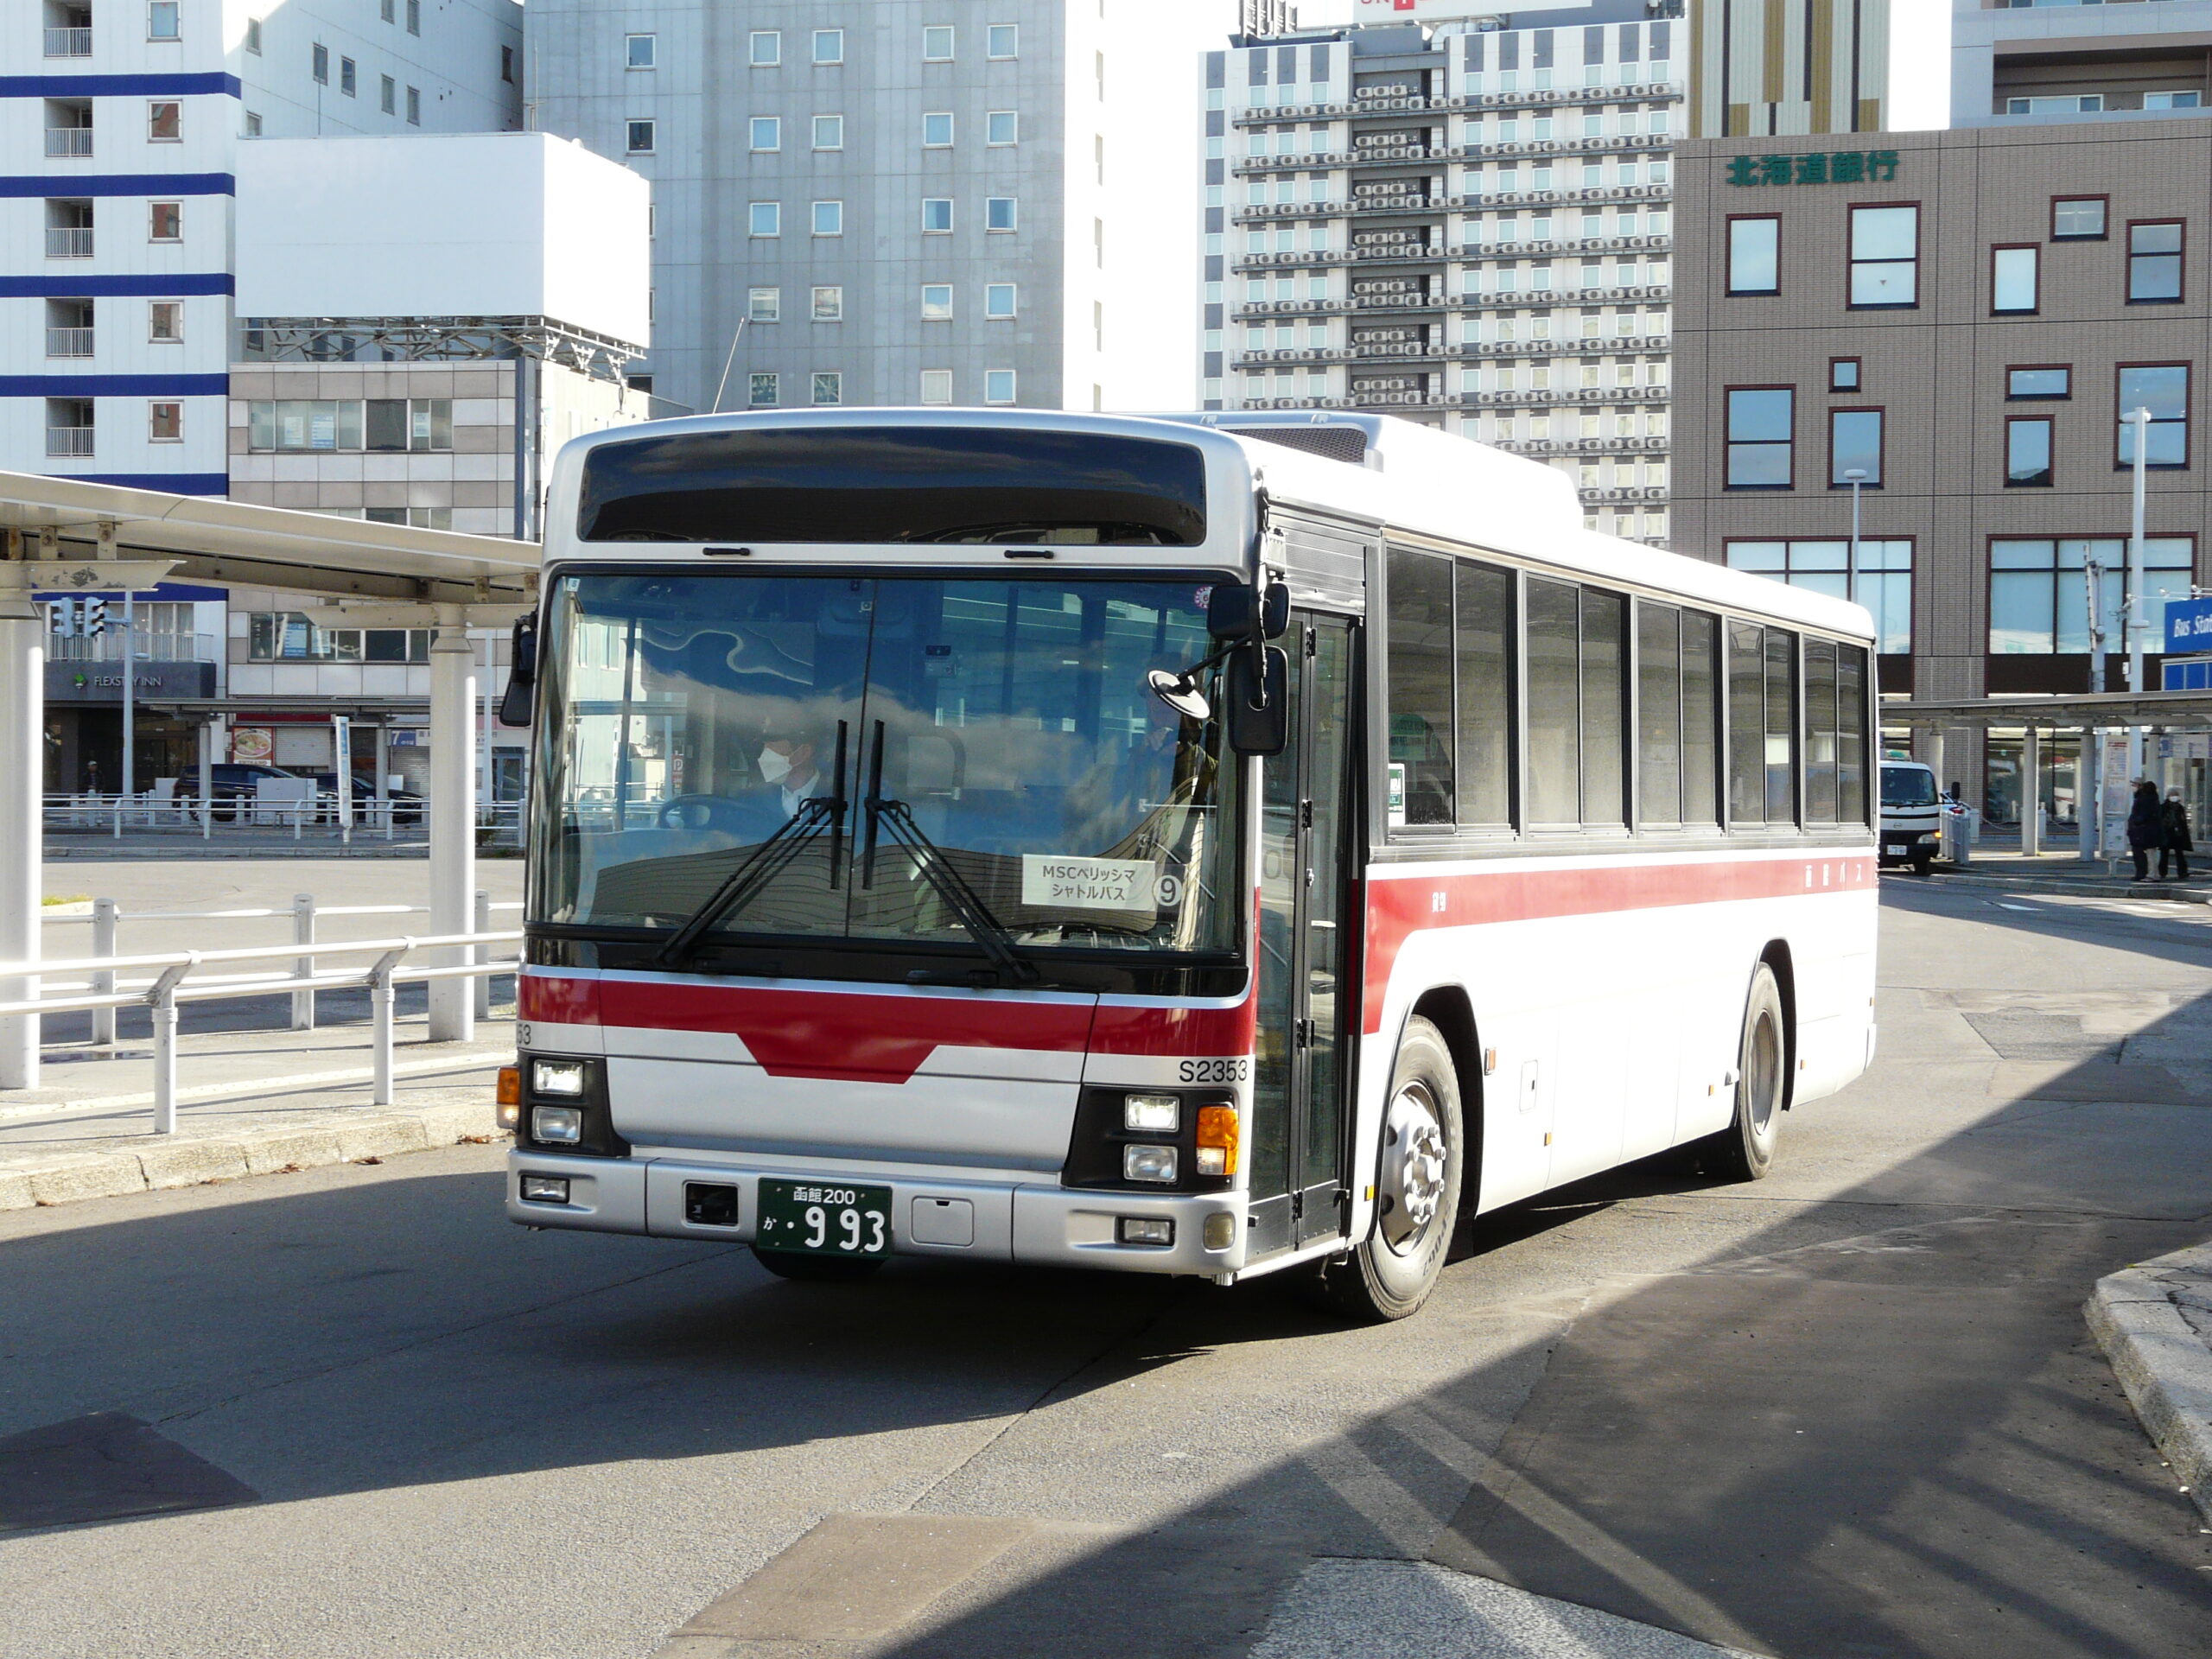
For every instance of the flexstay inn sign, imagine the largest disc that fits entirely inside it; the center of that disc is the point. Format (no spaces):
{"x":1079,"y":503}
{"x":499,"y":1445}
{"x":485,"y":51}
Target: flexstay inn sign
{"x":1826,"y":167}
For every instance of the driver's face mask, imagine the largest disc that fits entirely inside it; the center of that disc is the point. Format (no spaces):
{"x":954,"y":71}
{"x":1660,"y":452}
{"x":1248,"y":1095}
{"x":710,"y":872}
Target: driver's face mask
{"x":774,"y":767}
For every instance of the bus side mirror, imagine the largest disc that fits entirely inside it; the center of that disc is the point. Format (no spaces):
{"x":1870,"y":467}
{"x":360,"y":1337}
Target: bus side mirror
{"x":521,"y":674}
{"x":1236,"y":612}
{"x":1259,"y":710}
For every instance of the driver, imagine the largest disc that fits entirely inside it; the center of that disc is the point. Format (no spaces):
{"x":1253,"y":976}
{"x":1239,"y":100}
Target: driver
{"x":788,"y":764}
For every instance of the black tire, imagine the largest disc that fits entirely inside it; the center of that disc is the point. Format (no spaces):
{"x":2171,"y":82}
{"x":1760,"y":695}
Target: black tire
{"x":816,"y":1269}
{"x":1923,"y":863}
{"x":1745,"y":1150}
{"x":1418,"y":1175}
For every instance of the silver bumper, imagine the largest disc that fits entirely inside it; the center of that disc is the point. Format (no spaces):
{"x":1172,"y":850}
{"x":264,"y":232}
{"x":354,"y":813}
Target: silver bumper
{"x":983,"y":1221}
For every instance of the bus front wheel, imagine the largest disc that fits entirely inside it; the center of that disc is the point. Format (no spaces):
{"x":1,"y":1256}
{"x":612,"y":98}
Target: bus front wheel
{"x":818,"y":1269}
{"x":1745,"y":1150}
{"x":1417,"y":1180}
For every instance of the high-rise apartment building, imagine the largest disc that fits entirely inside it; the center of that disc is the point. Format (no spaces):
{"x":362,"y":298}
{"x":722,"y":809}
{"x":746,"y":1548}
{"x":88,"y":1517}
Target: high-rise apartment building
{"x":120,"y":169}
{"x":1817,"y":65}
{"x":916,"y":201}
{"x":2032,"y":62}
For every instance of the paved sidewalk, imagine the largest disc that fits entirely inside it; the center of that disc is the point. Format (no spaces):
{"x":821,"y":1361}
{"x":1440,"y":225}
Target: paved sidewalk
{"x":2154,"y":1321}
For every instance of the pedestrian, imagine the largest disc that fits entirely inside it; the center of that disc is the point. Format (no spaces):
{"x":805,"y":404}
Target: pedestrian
{"x":2173,"y":821}
{"x":2145,"y":827}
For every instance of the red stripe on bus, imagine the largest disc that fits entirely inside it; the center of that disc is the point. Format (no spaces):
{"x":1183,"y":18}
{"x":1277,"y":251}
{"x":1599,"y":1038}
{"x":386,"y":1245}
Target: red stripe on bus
{"x":1174,"y":1033}
{"x":1399,"y":907}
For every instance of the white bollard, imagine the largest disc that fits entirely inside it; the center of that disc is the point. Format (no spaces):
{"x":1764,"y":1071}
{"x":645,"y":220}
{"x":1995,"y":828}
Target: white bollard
{"x":483,"y":954}
{"x":104,"y":917}
{"x":303,"y":967}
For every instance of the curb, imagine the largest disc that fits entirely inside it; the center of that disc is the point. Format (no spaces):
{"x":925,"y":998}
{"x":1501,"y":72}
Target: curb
{"x":2163,"y":1365}
{"x":2083,"y":887}
{"x":331,"y":1138}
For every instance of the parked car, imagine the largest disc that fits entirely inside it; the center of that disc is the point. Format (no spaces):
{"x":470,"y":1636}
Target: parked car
{"x":231,"y":780}
{"x":406,"y":804}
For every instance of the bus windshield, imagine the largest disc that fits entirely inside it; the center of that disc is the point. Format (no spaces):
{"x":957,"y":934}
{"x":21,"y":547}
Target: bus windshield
{"x":898,"y":740}
{"x":1908,"y":787}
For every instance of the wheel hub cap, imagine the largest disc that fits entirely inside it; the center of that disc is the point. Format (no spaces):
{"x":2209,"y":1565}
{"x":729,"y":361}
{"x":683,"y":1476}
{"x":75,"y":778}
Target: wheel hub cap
{"x":1411,"y":1178}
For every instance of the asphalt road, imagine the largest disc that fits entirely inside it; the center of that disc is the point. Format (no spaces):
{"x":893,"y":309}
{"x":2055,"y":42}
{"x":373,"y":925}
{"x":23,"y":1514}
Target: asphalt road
{"x":1850,"y":1411}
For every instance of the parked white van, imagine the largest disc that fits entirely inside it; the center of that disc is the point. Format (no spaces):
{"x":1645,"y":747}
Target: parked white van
{"x":1912,"y":814}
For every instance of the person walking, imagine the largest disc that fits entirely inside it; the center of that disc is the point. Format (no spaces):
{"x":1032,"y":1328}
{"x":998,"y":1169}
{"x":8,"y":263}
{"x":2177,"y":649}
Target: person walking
{"x":2145,"y":827}
{"x":2173,"y":821}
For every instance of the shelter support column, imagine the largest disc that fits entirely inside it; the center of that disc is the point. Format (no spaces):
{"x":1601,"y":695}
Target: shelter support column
{"x":2030,"y":791}
{"x":452,"y":815}
{"x":2089,"y":795}
{"x":22,"y":786}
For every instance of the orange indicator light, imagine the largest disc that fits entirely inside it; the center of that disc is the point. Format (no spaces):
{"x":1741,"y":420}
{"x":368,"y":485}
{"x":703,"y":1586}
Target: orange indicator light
{"x":1217,"y":1140}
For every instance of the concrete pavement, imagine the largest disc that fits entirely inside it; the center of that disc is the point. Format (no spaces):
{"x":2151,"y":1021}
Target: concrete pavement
{"x":466,"y":1439}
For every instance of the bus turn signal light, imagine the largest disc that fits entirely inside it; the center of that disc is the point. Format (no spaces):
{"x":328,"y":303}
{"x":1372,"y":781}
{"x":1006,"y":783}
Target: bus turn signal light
{"x":509,"y":1097}
{"x":1217,"y":1140}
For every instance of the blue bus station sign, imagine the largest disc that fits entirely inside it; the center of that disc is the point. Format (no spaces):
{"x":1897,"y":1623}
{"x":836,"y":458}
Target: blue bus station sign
{"x":2188,"y":626}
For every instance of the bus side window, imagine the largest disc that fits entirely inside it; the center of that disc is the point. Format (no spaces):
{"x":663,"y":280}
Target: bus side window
{"x":1700,"y":718}
{"x":1781,"y":727}
{"x":1419,"y":668}
{"x":1820,"y":731}
{"x":1746,"y":724}
{"x":1604,"y":690}
{"x":1850,"y":734}
{"x":1554,"y":704}
{"x":1486,"y":630}
{"x":1658,"y":715}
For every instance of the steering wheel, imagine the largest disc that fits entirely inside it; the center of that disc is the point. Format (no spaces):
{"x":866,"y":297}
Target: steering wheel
{"x":693,"y":812}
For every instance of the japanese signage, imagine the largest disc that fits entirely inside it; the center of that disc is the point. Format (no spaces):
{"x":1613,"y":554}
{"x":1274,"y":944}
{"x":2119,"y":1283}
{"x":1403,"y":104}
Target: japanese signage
{"x":1828,"y":167}
{"x":2188,"y":626}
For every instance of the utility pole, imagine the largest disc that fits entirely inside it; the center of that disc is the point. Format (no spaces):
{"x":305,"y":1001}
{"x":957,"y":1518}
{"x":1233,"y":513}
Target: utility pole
{"x":2132,"y":610}
{"x":129,"y":782}
{"x":2089,"y":808}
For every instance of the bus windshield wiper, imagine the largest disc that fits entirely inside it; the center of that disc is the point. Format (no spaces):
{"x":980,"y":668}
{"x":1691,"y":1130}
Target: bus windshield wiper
{"x":966,"y":906}
{"x":768,"y":861}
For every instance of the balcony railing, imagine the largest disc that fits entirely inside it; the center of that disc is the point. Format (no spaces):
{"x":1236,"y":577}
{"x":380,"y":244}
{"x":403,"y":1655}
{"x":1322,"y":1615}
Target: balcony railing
{"x":1263,"y":114}
{"x":69,"y":342}
{"x":68,"y":141}
{"x":69,"y":42}
{"x":68,"y":241}
{"x":68,"y":440}
{"x":148,"y":645}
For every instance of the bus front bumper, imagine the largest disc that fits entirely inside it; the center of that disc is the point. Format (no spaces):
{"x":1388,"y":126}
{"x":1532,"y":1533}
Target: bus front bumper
{"x":953,"y":1219}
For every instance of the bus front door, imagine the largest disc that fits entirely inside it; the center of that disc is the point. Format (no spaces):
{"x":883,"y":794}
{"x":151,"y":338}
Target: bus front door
{"x":1298,"y":1091}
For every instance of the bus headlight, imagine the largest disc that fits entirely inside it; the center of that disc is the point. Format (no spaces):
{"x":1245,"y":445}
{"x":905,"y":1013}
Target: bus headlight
{"x":557,"y":1125}
{"x":1152,"y":1114}
{"x":556,"y":1077}
{"x":1149,"y":1164}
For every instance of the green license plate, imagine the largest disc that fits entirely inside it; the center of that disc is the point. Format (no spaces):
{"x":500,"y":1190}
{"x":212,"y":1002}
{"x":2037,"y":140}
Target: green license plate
{"x":824,"y":1218}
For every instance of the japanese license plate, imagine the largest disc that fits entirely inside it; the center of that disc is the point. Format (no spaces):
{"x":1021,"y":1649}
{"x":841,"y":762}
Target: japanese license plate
{"x":824,"y":1218}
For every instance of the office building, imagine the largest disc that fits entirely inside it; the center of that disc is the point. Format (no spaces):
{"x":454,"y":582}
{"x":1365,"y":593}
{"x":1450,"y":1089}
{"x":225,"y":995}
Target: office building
{"x":1822,"y":66}
{"x":1962,"y":320}
{"x":2032,"y":64}
{"x":962,"y":201}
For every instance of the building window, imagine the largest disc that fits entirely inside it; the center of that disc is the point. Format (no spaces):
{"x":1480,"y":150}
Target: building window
{"x":165,"y":423}
{"x":829,"y":132}
{"x":2161,"y":388}
{"x":375,"y":425}
{"x":319,"y":61}
{"x":829,"y":219}
{"x":164,"y":221}
{"x":2012,"y":280}
{"x":936,"y":302}
{"x":385,"y":10}
{"x":414,"y":16}
{"x":1000,"y":41}
{"x":1760,"y":433}
{"x":2040,"y":380}
{"x":828,"y":305}
{"x":2190,"y":100}
{"x":764,"y":48}
{"x":999,"y":212}
{"x":936,"y":214}
{"x":1755,"y":256}
{"x":2039,"y":591}
{"x":1843,"y":374}
{"x":165,"y":320}
{"x":764,"y":219}
{"x":1854,"y":445}
{"x":2154,"y":263}
{"x":764,"y":305}
{"x":828,"y":46}
{"x":761,"y":391}
{"x":507,"y":65}
{"x":2077,"y":218}
{"x":164,"y":121}
{"x":767,"y":132}
{"x":1884,"y":256}
{"x":388,"y":95}
{"x":998,"y":301}
{"x":414,"y":114}
{"x":998,"y":385}
{"x":1882,"y":582}
{"x":936,"y":130}
{"x":161,"y":20}
{"x":1001,"y":127}
{"x":253,"y":34}
{"x":293,"y":636}
{"x":829,"y":387}
{"x":253,"y":124}
{"x":641,"y":137}
{"x":2027,"y":452}
{"x":641,"y":51}
{"x":937,"y":385}
{"x":349,"y":77}
{"x":936,"y":44}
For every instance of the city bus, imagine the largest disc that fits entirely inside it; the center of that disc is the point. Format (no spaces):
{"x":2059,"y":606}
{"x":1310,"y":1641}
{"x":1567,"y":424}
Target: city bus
{"x":1220,"y":844}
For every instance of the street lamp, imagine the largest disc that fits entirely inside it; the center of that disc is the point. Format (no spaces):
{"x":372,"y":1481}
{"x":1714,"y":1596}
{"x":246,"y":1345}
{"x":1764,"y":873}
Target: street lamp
{"x":1855,"y":477}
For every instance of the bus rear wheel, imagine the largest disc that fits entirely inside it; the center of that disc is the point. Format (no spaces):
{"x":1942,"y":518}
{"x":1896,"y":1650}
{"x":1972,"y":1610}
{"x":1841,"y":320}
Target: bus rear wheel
{"x":1417,"y":1181}
{"x":815,"y":1269}
{"x":1745,"y":1150}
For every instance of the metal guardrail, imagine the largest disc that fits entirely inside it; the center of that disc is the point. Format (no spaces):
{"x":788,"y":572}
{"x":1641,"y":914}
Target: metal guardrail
{"x":391,"y":819}
{"x":167,"y":988}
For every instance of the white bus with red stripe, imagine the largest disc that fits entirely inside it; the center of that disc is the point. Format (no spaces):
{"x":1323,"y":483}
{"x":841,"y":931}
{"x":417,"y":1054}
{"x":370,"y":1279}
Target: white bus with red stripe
{"x":1200,"y":844}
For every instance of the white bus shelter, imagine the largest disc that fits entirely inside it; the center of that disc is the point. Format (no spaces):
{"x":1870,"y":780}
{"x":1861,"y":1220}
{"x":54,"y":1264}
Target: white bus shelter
{"x":69,"y":536}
